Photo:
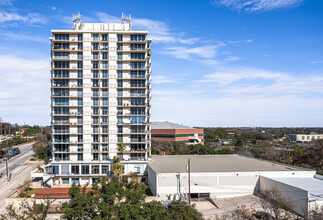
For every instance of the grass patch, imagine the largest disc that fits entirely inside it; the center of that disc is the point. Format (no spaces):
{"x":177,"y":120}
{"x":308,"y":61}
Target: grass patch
{"x":28,"y":192}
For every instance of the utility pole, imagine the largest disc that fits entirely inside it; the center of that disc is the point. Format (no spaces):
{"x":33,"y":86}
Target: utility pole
{"x":7,"y":165}
{"x":189,"y":181}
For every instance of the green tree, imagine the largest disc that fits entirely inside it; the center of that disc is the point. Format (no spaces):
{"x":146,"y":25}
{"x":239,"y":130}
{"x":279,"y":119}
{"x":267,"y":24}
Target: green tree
{"x":180,"y":210}
{"x":117,"y":166}
{"x":27,"y":211}
{"x":121,"y":148}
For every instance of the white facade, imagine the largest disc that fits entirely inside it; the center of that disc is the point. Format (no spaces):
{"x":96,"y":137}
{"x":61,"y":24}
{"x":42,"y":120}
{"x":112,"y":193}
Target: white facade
{"x":218,"y":176}
{"x":305,"y":138}
{"x":101,"y":96}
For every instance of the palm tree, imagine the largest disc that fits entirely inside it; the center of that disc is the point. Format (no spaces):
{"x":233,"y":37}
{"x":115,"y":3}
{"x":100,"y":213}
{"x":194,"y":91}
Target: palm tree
{"x":117,"y":166}
{"x":121,"y":148}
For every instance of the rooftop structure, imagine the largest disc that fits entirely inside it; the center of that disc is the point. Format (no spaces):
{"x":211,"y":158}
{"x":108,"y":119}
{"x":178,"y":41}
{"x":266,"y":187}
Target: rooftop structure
{"x":168,"y":131}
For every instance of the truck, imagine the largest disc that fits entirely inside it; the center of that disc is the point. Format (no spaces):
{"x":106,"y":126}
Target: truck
{"x":13,"y":151}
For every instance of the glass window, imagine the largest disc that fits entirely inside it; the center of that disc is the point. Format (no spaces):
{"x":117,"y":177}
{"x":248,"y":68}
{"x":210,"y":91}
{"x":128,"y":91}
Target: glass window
{"x":95,"y":65}
{"x":55,"y":169}
{"x":104,"y":74}
{"x":95,"y":111}
{"x":95,"y":56}
{"x":80,"y":73}
{"x":104,"y":101}
{"x":79,"y":92}
{"x":104,"y":83}
{"x":104,"y":111}
{"x":120,"y":83}
{"x":120,"y":74}
{"x":104,"y":168}
{"x":119,"y":56}
{"x":95,"y":37}
{"x":65,"y":180}
{"x":75,"y":181}
{"x":119,"y":65}
{"x":80,"y":37}
{"x":104,"y":37}
{"x":79,"y":101}
{"x":104,"y":56}
{"x":79,"y":156}
{"x":104,"y":92}
{"x":95,"y":83}
{"x":79,"y":55}
{"x":85,"y":169}
{"x":95,"y":92}
{"x":95,"y":74}
{"x":120,"y":37}
{"x":75,"y":169}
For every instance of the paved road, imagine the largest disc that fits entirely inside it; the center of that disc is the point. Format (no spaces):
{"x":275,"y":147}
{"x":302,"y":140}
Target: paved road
{"x":25,"y":154}
{"x":20,"y":168}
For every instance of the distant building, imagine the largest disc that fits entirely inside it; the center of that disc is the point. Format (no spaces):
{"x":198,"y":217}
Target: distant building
{"x":167,"y":131}
{"x":225,"y":176}
{"x":226,"y":142}
{"x":304,"y":138}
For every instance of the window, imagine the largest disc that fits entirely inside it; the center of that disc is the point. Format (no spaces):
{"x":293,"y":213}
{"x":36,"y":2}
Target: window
{"x":104,"y":168}
{"x":95,"y":46}
{"x":75,"y":181}
{"x":79,"y":129}
{"x":139,"y":56}
{"x":95,"y":101}
{"x":79,"y":92}
{"x":105,"y":46}
{"x":119,"y":56}
{"x":120,"y":111}
{"x":80,"y":82}
{"x":119,"y":65}
{"x":61,"y":64}
{"x":104,"y":92}
{"x":80,"y":111}
{"x":137,"y":119}
{"x":79,"y":156}
{"x":137,"y":101}
{"x":95,"y":37}
{"x":137,"y":47}
{"x":80,"y":147}
{"x":119,"y":101}
{"x":95,"y":92}
{"x":61,"y":73}
{"x":104,"y":56}
{"x":119,"y":46}
{"x":85,"y":169}
{"x":79,"y":64}
{"x":120,"y":74}
{"x":137,"y":37}
{"x":120,"y":92}
{"x":104,"y":119}
{"x":95,"y":83}
{"x":80,"y":73}
{"x":95,"y":56}
{"x":79,"y":55}
{"x":61,"y":101}
{"x":120,"y":129}
{"x":120,"y":37}
{"x":79,"y":101}
{"x":75,"y":169}
{"x":79,"y":138}
{"x":137,"y":83}
{"x":120,"y":138}
{"x":104,"y":101}
{"x":104,"y":37}
{"x":61,"y":36}
{"x":120,"y":121}
{"x":95,"y":111}
{"x":95,"y":138}
{"x":80,"y":37}
{"x":104,"y":74}
{"x":137,"y":65}
{"x":104,"y":65}
{"x":104,"y":111}
{"x":120,"y":83}
{"x":65,"y":169}
{"x":95,"y":65}
{"x":104,"y":83}
{"x":65,"y":181}
{"x":80,"y":46}
{"x":55,"y":169}
{"x":95,"y":157}
{"x":95,"y":74}
{"x":105,"y":129}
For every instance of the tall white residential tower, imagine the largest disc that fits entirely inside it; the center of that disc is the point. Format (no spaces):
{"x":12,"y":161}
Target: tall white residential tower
{"x":100,"y":96}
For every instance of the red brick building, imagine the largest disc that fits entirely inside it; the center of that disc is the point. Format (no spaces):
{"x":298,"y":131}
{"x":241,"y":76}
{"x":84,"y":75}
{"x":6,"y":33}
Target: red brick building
{"x":167,"y":131}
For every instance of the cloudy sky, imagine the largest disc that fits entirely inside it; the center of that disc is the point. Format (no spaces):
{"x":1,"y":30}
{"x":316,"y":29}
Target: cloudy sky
{"x":214,"y":62}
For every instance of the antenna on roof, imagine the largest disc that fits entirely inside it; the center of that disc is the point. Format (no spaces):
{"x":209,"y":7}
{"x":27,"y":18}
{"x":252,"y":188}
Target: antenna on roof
{"x":124,"y":19}
{"x":77,"y":17}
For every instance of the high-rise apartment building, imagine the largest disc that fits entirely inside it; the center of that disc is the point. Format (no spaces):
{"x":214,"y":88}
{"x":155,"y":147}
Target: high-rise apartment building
{"x":100,"y":96}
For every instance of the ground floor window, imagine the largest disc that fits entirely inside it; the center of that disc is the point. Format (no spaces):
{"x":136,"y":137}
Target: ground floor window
{"x":66,"y":181}
{"x":75,"y":180}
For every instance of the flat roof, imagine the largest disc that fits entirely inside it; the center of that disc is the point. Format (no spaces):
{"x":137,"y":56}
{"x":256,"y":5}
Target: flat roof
{"x":215,"y":163}
{"x":313,"y":185}
{"x":168,"y":125}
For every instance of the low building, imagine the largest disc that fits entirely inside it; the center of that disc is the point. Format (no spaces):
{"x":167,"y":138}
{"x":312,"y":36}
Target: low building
{"x":167,"y":131}
{"x":220,"y":176}
{"x":304,"y":138}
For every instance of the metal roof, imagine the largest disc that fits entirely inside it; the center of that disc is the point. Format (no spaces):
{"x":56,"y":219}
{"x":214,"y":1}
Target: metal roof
{"x":168,"y":125}
{"x":313,"y":186}
{"x":215,"y":163}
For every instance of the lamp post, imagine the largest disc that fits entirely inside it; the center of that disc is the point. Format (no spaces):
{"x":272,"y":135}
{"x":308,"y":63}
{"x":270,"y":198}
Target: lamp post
{"x":188,"y":167}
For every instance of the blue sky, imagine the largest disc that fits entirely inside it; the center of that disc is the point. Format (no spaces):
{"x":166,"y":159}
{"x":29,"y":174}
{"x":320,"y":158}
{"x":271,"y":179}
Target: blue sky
{"x":214,"y":62}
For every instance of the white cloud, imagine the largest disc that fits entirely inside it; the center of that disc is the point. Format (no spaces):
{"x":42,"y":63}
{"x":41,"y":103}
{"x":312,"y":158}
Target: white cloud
{"x":6,"y":2}
{"x":189,"y":40}
{"x":23,"y":37}
{"x":53,"y":8}
{"x":316,"y":61}
{"x":257,"y":5}
{"x":241,"y":41}
{"x":190,"y":52}
{"x":30,"y":18}
{"x":24,"y":89}
{"x":158,"y":79}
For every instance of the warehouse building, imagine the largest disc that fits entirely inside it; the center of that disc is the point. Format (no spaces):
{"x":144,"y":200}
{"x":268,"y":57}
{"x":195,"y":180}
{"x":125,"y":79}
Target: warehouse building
{"x":222,"y":176}
{"x":167,"y":131}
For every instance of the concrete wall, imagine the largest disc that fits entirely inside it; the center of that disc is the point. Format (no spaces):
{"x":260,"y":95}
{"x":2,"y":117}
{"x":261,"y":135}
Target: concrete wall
{"x":152,"y":181}
{"x":297,"y":196}
{"x":219,"y":185}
